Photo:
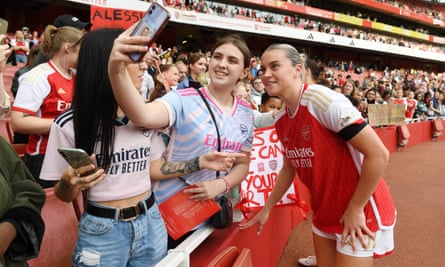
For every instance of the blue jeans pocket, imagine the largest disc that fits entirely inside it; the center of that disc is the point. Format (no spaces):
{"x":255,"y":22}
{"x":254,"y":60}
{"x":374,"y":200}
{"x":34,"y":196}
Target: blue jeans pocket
{"x":93,"y":225}
{"x":154,"y":213}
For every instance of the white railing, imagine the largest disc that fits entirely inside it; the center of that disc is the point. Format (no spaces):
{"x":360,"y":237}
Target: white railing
{"x":180,"y":256}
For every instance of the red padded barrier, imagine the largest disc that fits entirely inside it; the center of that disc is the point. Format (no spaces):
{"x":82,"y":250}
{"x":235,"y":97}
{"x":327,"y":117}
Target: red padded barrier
{"x":266,"y":249}
{"x":60,"y":233}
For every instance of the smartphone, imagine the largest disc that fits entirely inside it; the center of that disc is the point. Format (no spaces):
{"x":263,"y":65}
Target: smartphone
{"x":151,"y":25}
{"x":76,"y":157}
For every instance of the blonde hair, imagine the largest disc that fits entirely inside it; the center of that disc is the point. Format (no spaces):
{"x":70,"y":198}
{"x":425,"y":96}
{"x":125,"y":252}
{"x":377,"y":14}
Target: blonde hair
{"x":54,"y":38}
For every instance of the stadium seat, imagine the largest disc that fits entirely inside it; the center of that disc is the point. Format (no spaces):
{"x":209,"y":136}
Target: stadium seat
{"x":225,"y":258}
{"x":402,"y":136}
{"x":244,"y":259}
{"x":437,"y":128}
{"x":78,"y":205}
{"x":6,"y":130}
{"x":232,"y":257}
{"x":20,"y":149}
{"x":60,"y":233}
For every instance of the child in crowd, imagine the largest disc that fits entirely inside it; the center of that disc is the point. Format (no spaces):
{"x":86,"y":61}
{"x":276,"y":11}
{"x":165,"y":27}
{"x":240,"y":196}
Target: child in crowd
{"x":269,"y":108}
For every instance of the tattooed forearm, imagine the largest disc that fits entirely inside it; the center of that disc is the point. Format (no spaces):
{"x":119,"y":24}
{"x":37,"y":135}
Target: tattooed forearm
{"x":182,"y":167}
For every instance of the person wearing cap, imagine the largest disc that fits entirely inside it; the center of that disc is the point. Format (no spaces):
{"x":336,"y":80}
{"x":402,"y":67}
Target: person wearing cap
{"x":70,"y":20}
{"x":60,"y":21}
{"x":26,"y":34}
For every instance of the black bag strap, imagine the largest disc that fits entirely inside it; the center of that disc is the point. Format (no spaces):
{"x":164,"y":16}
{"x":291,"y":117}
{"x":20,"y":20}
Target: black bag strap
{"x":217,"y":131}
{"x":214,"y":122}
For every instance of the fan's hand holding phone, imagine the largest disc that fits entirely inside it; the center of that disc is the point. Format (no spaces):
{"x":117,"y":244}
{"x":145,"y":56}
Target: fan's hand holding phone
{"x":77,"y":158}
{"x":151,"y":25}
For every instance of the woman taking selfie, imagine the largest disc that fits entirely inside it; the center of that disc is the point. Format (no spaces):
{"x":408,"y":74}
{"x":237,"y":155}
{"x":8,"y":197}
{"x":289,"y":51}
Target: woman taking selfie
{"x":121,"y":225}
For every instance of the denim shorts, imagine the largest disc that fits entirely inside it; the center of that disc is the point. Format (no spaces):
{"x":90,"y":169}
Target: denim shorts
{"x":107,"y":242}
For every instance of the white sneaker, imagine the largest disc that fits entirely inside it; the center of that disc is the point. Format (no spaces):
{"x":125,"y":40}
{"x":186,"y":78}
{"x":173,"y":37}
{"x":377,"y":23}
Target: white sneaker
{"x":309,"y":261}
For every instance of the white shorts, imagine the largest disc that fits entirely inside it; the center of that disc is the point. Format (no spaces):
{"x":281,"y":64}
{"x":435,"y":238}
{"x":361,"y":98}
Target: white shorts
{"x":381,"y":246}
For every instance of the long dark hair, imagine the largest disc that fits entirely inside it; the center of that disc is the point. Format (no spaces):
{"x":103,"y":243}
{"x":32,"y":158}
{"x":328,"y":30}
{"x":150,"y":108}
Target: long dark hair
{"x":94,"y":106}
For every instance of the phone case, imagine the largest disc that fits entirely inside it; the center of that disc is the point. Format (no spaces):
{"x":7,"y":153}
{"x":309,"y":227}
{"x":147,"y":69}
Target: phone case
{"x":75,"y":157}
{"x":151,"y":25}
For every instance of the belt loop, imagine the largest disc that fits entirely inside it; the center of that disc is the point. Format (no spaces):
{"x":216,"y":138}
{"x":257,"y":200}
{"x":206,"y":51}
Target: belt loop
{"x":145,"y":202}
{"x":117,"y":212}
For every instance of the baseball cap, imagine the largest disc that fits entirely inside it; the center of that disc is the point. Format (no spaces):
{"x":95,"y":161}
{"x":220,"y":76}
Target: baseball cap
{"x":24,"y":28}
{"x":70,"y":20}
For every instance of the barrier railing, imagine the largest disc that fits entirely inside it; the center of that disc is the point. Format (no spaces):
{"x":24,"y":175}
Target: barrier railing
{"x":180,"y":256}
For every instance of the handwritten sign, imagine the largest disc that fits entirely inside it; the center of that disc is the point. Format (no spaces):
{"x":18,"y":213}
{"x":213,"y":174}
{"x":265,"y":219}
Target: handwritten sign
{"x":388,"y":114}
{"x":266,"y":162}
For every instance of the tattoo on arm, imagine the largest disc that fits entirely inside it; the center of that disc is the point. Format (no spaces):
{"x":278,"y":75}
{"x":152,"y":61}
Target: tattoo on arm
{"x":182,"y":167}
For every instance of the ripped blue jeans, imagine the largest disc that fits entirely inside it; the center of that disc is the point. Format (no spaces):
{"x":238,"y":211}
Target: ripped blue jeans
{"x":107,"y":242}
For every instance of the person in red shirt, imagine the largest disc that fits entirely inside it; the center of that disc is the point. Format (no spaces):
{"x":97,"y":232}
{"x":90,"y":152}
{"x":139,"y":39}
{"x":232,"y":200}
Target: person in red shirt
{"x":411,"y":104}
{"x":20,"y":47}
{"x":45,"y":92}
{"x":328,"y":145}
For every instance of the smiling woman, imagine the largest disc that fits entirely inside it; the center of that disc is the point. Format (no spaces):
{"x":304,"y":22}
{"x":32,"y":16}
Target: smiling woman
{"x":185,"y":111}
{"x":346,"y":200}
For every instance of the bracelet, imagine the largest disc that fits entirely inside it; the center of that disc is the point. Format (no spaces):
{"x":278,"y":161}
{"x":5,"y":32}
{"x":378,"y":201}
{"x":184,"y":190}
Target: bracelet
{"x":227,"y":184}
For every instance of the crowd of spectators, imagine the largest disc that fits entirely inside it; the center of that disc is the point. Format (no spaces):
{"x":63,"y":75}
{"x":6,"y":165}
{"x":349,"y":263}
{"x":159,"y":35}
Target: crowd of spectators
{"x":364,"y":75}
{"x":417,"y":8}
{"x":301,"y":22}
{"x":420,"y":92}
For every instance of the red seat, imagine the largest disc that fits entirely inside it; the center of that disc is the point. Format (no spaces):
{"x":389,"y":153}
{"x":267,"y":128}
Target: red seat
{"x":402,"y":135}
{"x":20,"y":149}
{"x":78,"y":206}
{"x":437,"y":128}
{"x":225,"y":258}
{"x":244,"y":259}
{"x":6,"y":129}
{"x":232,"y":257}
{"x":60,"y":233}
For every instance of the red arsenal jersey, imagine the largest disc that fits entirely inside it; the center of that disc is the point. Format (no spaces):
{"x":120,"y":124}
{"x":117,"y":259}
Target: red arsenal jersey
{"x":43,"y":92}
{"x":315,"y":143}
